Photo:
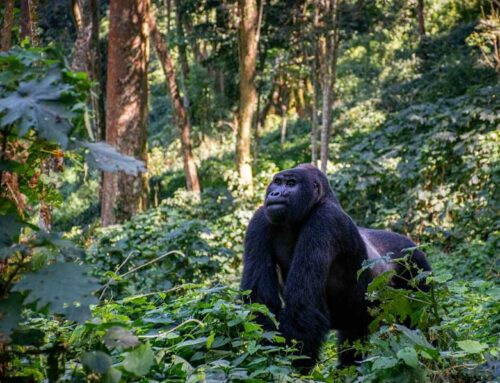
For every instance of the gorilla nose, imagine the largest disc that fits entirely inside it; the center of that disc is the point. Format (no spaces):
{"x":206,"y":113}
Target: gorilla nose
{"x":274,"y":194}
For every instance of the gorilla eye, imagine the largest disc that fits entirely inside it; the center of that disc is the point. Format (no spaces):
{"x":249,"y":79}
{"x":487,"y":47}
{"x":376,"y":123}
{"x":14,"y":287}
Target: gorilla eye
{"x":277,"y":181}
{"x":291,"y":183}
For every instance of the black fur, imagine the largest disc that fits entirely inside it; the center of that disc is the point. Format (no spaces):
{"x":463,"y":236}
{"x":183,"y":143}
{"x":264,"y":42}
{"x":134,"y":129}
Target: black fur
{"x":302,"y":233}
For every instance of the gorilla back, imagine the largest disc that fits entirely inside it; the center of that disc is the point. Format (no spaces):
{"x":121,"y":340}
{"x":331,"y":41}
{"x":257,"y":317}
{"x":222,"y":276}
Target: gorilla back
{"x":302,"y":249}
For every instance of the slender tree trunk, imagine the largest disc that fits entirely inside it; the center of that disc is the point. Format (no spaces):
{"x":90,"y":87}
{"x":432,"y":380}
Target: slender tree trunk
{"x":8,"y":23}
{"x":29,"y":20}
{"x":284,"y":124}
{"x":314,"y":121}
{"x":86,"y":58}
{"x":127,"y":106}
{"x":198,"y":57}
{"x":421,"y":19}
{"x":300,"y":102}
{"x":329,"y":47}
{"x":315,"y":73}
{"x":248,"y":41}
{"x":257,"y":123}
{"x":284,"y":99}
{"x":182,"y":53}
{"x":168,"y":8}
{"x":181,"y":116}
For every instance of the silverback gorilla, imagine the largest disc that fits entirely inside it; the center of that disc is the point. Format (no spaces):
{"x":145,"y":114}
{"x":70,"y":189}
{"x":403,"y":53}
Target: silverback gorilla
{"x":302,"y":256}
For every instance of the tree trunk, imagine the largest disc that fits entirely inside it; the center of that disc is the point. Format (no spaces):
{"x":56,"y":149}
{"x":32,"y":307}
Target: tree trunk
{"x":8,"y":23}
{"x":248,"y":41}
{"x":182,"y":53}
{"x":86,"y":58}
{"x":257,"y":122}
{"x":127,"y":106}
{"x":315,"y":74}
{"x":421,"y":19}
{"x":168,"y":8}
{"x":314,"y":119}
{"x":328,"y":51}
{"x":300,"y":102}
{"x":284,"y":123}
{"x":28,"y":21}
{"x":181,"y":116}
{"x":284,"y":99}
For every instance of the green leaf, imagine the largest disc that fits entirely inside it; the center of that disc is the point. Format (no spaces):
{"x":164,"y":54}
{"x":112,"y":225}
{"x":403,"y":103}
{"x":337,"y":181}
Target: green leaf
{"x":210,"y":339}
{"x":103,"y":156}
{"x":118,"y":337}
{"x":65,"y":288}
{"x":10,"y":313}
{"x":192,"y":342}
{"x":409,"y":356}
{"x":97,"y":361}
{"x":37,"y":104}
{"x":472,"y":346}
{"x":416,"y":337}
{"x":10,"y":227}
{"x":185,"y":365}
{"x":441,"y":278}
{"x":112,"y":376}
{"x":383,"y":363}
{"x":139,"y":360}
{"x":250,"y":327}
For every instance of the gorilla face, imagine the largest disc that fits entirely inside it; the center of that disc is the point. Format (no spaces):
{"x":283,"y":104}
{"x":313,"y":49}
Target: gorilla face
{"x":290,"y":196}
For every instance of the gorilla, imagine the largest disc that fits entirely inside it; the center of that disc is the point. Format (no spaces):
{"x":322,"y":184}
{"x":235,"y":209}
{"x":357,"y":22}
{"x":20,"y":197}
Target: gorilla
{"x":301,"y":259}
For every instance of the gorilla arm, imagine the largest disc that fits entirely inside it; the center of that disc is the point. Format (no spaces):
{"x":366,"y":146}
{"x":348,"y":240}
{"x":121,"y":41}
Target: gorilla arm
{"x":306,"y":316}
{"x":259,"y":271}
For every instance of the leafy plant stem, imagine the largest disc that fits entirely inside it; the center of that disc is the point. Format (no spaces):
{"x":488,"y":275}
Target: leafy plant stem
{"x":200,"y":323}
{"x":152,"y":261}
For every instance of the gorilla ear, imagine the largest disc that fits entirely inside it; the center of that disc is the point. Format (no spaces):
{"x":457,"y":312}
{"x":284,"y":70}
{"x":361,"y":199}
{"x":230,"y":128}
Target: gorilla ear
{"x":316,"y":187}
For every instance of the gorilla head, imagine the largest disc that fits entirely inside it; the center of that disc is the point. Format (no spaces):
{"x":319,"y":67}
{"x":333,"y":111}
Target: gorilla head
{"x":294,"y":192}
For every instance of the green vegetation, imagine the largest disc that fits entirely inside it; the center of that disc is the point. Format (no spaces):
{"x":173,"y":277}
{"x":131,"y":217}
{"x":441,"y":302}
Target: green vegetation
{"x":415,"y":148}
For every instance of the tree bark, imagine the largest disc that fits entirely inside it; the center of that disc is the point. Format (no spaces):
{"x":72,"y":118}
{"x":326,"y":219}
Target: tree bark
{"x":328,"y":50}
{"x":315,"y":74}
{"x":284,"y":99}
{"x":181,"y":116}
{"x":181,"y":36}
{"x":314,"y":118}
{"x":86,"y":58}
{"x":248,"y":42}
{"x":421,"y":19}
{"x":127,"y":107}
{"x":8,"y":23}
{"x":256,"y":132}
{"x":28,"y":21}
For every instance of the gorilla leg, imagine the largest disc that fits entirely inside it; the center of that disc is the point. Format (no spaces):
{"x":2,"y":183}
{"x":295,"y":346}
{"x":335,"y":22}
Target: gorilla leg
{"x":347,"y":355}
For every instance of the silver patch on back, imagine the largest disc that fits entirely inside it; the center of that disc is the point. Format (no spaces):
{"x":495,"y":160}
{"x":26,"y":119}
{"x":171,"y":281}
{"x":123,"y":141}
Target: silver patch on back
{"x":379,"y":267}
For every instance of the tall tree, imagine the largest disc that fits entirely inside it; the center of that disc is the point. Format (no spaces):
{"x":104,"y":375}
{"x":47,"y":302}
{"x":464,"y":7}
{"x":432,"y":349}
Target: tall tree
{"x":248,"y":32}
{"x":8,"y":23}
{"x":315,"y":74}
{"x":127,"y":106}
{"x":29,"y":20}
{"x":181,"y":116}
{"x":86,"y":57}
{"x":183,"y":58}
{"x":421,"y":18}
{"x":328,"y":51}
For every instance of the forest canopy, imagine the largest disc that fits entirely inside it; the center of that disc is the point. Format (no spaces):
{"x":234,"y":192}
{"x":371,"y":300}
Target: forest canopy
{"x":137,"y":139}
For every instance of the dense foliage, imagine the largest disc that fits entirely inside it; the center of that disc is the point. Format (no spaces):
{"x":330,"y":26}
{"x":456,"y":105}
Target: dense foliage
{"x":415,"y":149}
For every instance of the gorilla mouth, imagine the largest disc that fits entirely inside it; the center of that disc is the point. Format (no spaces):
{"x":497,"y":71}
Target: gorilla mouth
{"x":276,"y":204}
